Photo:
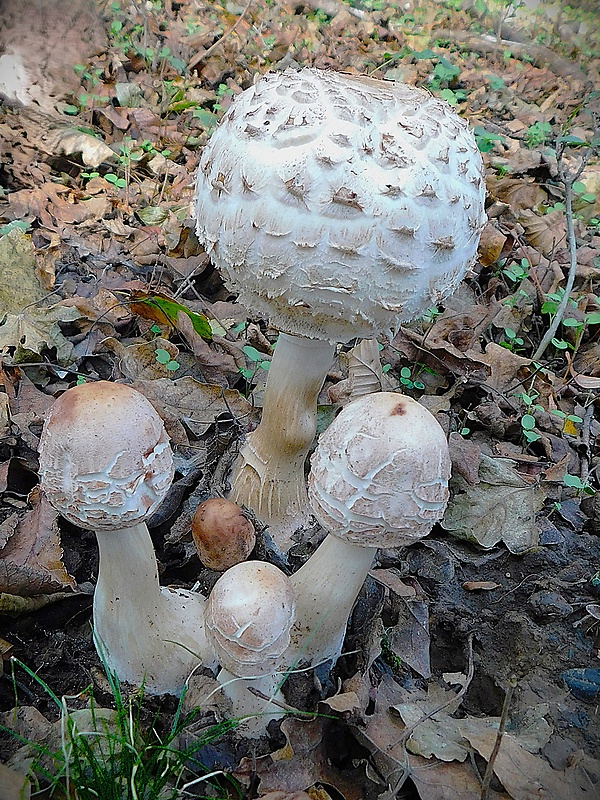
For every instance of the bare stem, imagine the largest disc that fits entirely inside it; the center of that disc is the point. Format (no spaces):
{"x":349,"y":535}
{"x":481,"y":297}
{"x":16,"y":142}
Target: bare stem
{"x":268,"y":475}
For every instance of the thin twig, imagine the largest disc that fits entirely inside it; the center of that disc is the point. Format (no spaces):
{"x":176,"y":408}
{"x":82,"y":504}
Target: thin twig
{"x":489,"y":770}
{"x":568,"y":179}
{"x":201,"y":56}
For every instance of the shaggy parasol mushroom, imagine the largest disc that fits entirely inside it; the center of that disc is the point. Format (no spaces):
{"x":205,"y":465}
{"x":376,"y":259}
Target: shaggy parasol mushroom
{"x":222,"y":534}
{"x":339,"y":207}
{"x":379,"y":478}
{"x":249,"y":614}
{"x":105,"y":465}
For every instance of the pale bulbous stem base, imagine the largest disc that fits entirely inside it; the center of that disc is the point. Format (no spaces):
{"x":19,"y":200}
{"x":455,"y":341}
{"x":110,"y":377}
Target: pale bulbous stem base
{"x":326,"y":588}
{"x":268,"y":476}
{"x":147,"y":635}
{"x":259,"y":711}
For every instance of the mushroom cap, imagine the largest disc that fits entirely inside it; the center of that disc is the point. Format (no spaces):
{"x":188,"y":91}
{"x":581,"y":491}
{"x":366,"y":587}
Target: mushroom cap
{"x":248,"y":617}
{"x":105,"y":459}
{"x":379,"y":475}
{"x":340,"y":206}
{"x":222,"y":534}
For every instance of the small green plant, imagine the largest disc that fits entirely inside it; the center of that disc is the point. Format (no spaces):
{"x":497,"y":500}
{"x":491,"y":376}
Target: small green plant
{"x":120,"y":183}
{"x":110,"y":754}
{"x":222,"y":91}
{"x":164,"y":357}
{"x":575,"y":482}
{"x":407,"y":380}
{"x":569,"y":420}
{"x":511,"y":341}
{"x":496,"y":83}
{"x":527,"y":421}
{"x":527,"y":427}
{"x":431,"y":314}
{"x":537,"y":134}
{"x":485,"y":140}
{"x":517,"y":271}
{"x":258,"y":362}
{"x":581,"y":193}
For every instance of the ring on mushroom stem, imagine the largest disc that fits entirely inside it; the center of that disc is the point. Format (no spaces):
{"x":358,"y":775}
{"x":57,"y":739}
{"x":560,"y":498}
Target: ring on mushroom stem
{"x":379,"y":478}
{"x":339,"y":207}
{"x":106,"y":465}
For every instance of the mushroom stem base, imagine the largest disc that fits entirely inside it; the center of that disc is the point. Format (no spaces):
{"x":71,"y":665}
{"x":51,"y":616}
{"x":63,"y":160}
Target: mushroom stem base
{"x":268,"y":476}
{"x":326,"y":588}
{"x":145,"y":634}
{"x":258,"y":711}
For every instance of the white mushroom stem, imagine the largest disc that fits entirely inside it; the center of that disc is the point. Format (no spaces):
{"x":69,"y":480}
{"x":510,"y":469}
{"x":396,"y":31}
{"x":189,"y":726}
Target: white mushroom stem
{"x":326,"y":588}
{"x":364,"y":369}
{"x":255,"y":711}
{"x":146,"y":633}
{"x":269,"y":473}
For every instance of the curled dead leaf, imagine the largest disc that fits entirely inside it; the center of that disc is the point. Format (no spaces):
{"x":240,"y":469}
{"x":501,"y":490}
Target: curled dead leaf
{"x":474,"y":586}
{"x":548,"y":232}
{"x":490,"y":245}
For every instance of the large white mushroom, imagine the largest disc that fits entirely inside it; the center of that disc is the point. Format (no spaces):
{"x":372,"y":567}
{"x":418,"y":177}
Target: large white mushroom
{"x":379,"y":478}
{"x":338,"y":206}
{"x":249,"y":614}
{"x":106,"y":465}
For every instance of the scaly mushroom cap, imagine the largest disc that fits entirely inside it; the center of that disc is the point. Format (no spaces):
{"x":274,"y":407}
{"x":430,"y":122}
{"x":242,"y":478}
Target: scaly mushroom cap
{"x":340,"y":206}
{"x":248,"y":617}
{"x":105,"y":459}
{"x":379,"y":476}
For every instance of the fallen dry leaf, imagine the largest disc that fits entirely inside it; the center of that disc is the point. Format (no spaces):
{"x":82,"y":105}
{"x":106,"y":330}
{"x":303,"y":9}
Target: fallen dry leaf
{"x":302,"y":762}
{"x":409,"y":637}
{"x":454,"y":780}
{"x":501,"y":507}
{"x":490,"y":245}
{"x":31,"y":561}
{"x":548,"y":232}
{"x":475,"y":586}
{"x":14,"y":604}
{"x":37,"y":329}
{"x":196,"y":404}
{"x":465,"y":456}
{"x":25,"y":325}
{"x":68,"y":141}
{"x":526,"y":776}
{"x":13,"y":785}
{"x":139,"y":361}
{"x":19,"y":284}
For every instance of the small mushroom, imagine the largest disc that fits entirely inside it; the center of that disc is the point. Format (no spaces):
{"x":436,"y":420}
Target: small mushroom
{"x":249,"y":614}
{"x":337,"y":206}
{"x":222,"y":534}
{"x":379,"y":478}
{"x":106,"y":465}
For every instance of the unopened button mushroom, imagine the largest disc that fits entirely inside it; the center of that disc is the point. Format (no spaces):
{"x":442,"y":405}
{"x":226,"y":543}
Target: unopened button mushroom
{"x":338,"y":207}
{"x":249,"y":613}
{"x":106,"y":465}
{"x":222,"y":534}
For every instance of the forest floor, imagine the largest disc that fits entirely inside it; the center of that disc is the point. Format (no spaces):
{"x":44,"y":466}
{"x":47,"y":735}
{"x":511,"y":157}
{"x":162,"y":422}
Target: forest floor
{"x":495,"y":614}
